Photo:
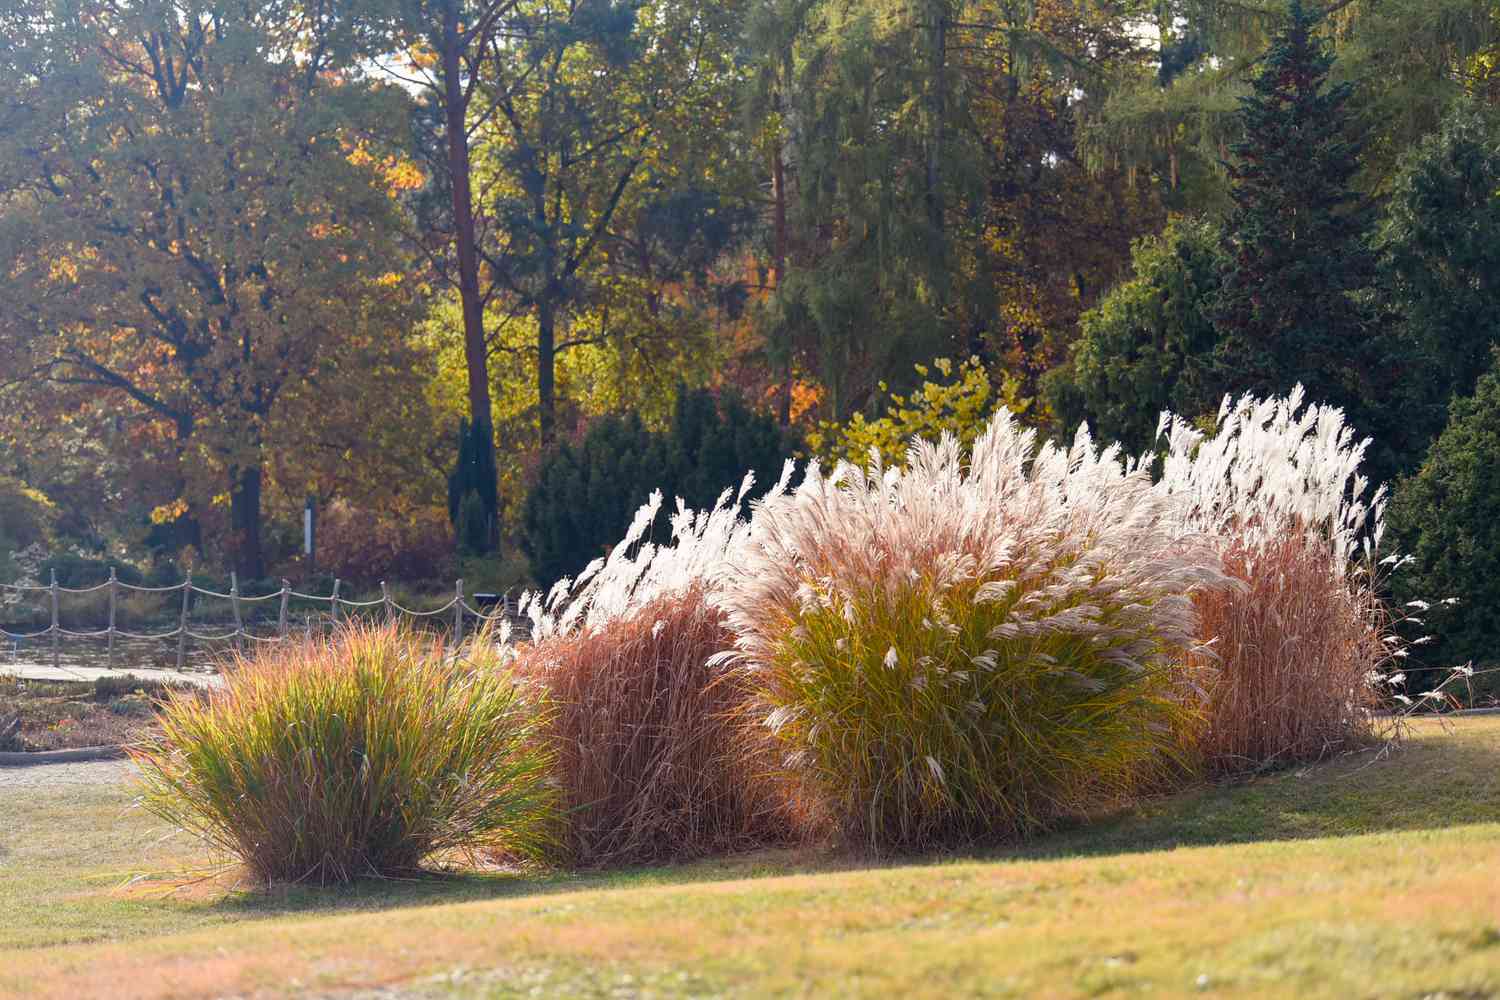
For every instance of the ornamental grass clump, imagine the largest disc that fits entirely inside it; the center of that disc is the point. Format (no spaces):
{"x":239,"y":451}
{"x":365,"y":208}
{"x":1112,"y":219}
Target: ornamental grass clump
{"x":1295,"y":649}
{"x":366,"y":755}
{"x":962,"y":652}
{"x":654,"y":760}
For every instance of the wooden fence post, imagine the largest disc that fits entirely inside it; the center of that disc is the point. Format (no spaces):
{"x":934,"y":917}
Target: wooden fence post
{"x":113,"y":589}
{"x":234,"y":602}
{"x":182,"y":636}
{"x":385,"y":599}
{"x":458,"y":615}
{"x":56,"y":629}
{"x":281,"y":614}
{"x":334,"y":601}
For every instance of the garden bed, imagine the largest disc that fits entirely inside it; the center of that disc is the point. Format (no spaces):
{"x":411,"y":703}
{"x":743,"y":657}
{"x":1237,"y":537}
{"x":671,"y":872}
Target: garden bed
{"x":69,"y":715}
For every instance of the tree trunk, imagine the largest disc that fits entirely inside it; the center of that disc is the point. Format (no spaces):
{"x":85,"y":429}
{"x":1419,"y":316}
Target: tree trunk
{"x":244,"y":521}
{"x":546,"y":361}
{"x":778,"y":271}
{"x":938,"y":112}
{"x":476,"y":351}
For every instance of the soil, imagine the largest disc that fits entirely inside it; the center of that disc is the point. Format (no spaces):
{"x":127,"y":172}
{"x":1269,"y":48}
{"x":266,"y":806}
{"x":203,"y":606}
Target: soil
{"x":64,"y":715}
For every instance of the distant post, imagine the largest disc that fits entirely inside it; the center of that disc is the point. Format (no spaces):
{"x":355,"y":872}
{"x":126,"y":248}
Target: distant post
{"x":55,"y":629}
{"x":309,"y":535}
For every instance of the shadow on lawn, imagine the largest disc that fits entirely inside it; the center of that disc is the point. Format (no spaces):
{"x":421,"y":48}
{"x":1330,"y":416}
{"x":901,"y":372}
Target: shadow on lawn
{"x":1435,"y":780}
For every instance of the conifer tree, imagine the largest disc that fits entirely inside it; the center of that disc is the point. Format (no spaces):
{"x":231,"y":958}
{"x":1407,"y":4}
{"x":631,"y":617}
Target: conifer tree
{"x":1290,"y":307}
{"x":473,"y":491}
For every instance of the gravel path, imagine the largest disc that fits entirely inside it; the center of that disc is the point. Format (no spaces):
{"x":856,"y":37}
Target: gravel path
{"x":103,"y":772}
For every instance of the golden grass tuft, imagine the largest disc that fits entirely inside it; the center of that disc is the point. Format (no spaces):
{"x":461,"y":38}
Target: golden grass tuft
{"x":362,"y":755}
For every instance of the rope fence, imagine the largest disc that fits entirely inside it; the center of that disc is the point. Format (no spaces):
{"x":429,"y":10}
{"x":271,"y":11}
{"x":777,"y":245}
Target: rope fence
{"x":458,"y":606}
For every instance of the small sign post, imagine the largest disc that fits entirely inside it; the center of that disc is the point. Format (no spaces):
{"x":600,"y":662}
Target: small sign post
{"x":309,"y":536}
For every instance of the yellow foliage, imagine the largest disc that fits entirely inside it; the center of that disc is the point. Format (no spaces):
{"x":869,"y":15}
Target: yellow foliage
{"x":169,"y":512}
{"x":958,"y":404}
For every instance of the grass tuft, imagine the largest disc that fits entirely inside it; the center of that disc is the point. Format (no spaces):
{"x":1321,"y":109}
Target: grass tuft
{"x":652,"y":761}
{"x":973,"y":650}
{"x":365,"y":755}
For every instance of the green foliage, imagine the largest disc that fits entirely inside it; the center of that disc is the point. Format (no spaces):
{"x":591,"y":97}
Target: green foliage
{"x":1447,"y":517}
{"x":1140,"y":350}
{"x":585,"y":494}
{"x":26,"y":516}
{"x":959,"y":403}
{"x":365,"y":756}
{"x":1293,"y":304}
{"x":714,"y":441}
{"x":1440,"y":258}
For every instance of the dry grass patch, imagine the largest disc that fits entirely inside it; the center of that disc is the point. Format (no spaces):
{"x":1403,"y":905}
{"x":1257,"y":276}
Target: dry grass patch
{"x":653,"y":760}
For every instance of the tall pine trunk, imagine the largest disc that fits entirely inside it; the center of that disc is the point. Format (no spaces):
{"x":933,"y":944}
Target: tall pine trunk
{"x":476,"y":351}
{"x":778,"y":270}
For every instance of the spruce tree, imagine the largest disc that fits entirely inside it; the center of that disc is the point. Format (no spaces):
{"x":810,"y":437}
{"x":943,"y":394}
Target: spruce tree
{"x":1290,"y":308}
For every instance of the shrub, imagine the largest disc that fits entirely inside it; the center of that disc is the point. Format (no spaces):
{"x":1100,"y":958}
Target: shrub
{"x":364,"y":755}
{"x":652,"y":760}
{"x":473,"y":488}
{"x":1141,"y":349}
{"x":27,"y":517}
{"x":1295,"y":647}
{"x":1447,"y":518}
{"x":585,"y":494}
{"x":946,"y":655}
{"x":958,"y":403}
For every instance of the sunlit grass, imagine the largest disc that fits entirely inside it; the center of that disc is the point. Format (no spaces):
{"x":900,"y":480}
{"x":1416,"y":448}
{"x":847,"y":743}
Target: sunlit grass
{"x":1364,"y":876}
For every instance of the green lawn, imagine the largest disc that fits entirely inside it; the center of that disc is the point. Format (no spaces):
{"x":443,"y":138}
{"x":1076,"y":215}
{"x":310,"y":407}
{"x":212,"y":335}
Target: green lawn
{"x":1367,"y":877}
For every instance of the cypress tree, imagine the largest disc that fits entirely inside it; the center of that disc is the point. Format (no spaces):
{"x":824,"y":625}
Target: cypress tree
{"x":473,"y":491}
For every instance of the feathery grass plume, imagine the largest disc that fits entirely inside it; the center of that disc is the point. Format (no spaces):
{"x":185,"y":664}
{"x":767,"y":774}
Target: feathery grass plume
{"x":364,"y":755}
{"x":653,"y":760}
{"x":636,"y":573}
{"x":948,"y":653}
{"x":1294,"y":649}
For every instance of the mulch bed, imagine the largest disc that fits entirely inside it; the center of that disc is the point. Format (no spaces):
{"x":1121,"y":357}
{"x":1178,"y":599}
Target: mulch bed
{"x":65,"y":715}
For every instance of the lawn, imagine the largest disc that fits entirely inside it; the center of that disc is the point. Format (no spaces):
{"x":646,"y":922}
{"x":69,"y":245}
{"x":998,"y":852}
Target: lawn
{"x":1370,"y":876}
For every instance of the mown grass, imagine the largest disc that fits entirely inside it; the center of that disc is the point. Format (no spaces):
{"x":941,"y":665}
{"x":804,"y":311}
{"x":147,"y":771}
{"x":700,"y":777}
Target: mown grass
{"x":1366,"y":876}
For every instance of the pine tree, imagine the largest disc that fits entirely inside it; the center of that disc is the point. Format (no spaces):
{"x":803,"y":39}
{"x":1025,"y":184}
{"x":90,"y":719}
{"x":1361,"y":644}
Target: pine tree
{"x":1289,"y":308}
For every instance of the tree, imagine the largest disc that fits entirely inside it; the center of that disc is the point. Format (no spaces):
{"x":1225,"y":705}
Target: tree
{"x":926,"y":195}
{"x":1447,"y":517}
{"x":1141,"y":350}
{"x":194,"y":236}
{"x":472,"y":490}
{"x":1175,"y":117}
{"x":1293,"y":301}
{"x":449,"y":47}
{"x":1440,"y":257}
{"x":602,"y":112}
